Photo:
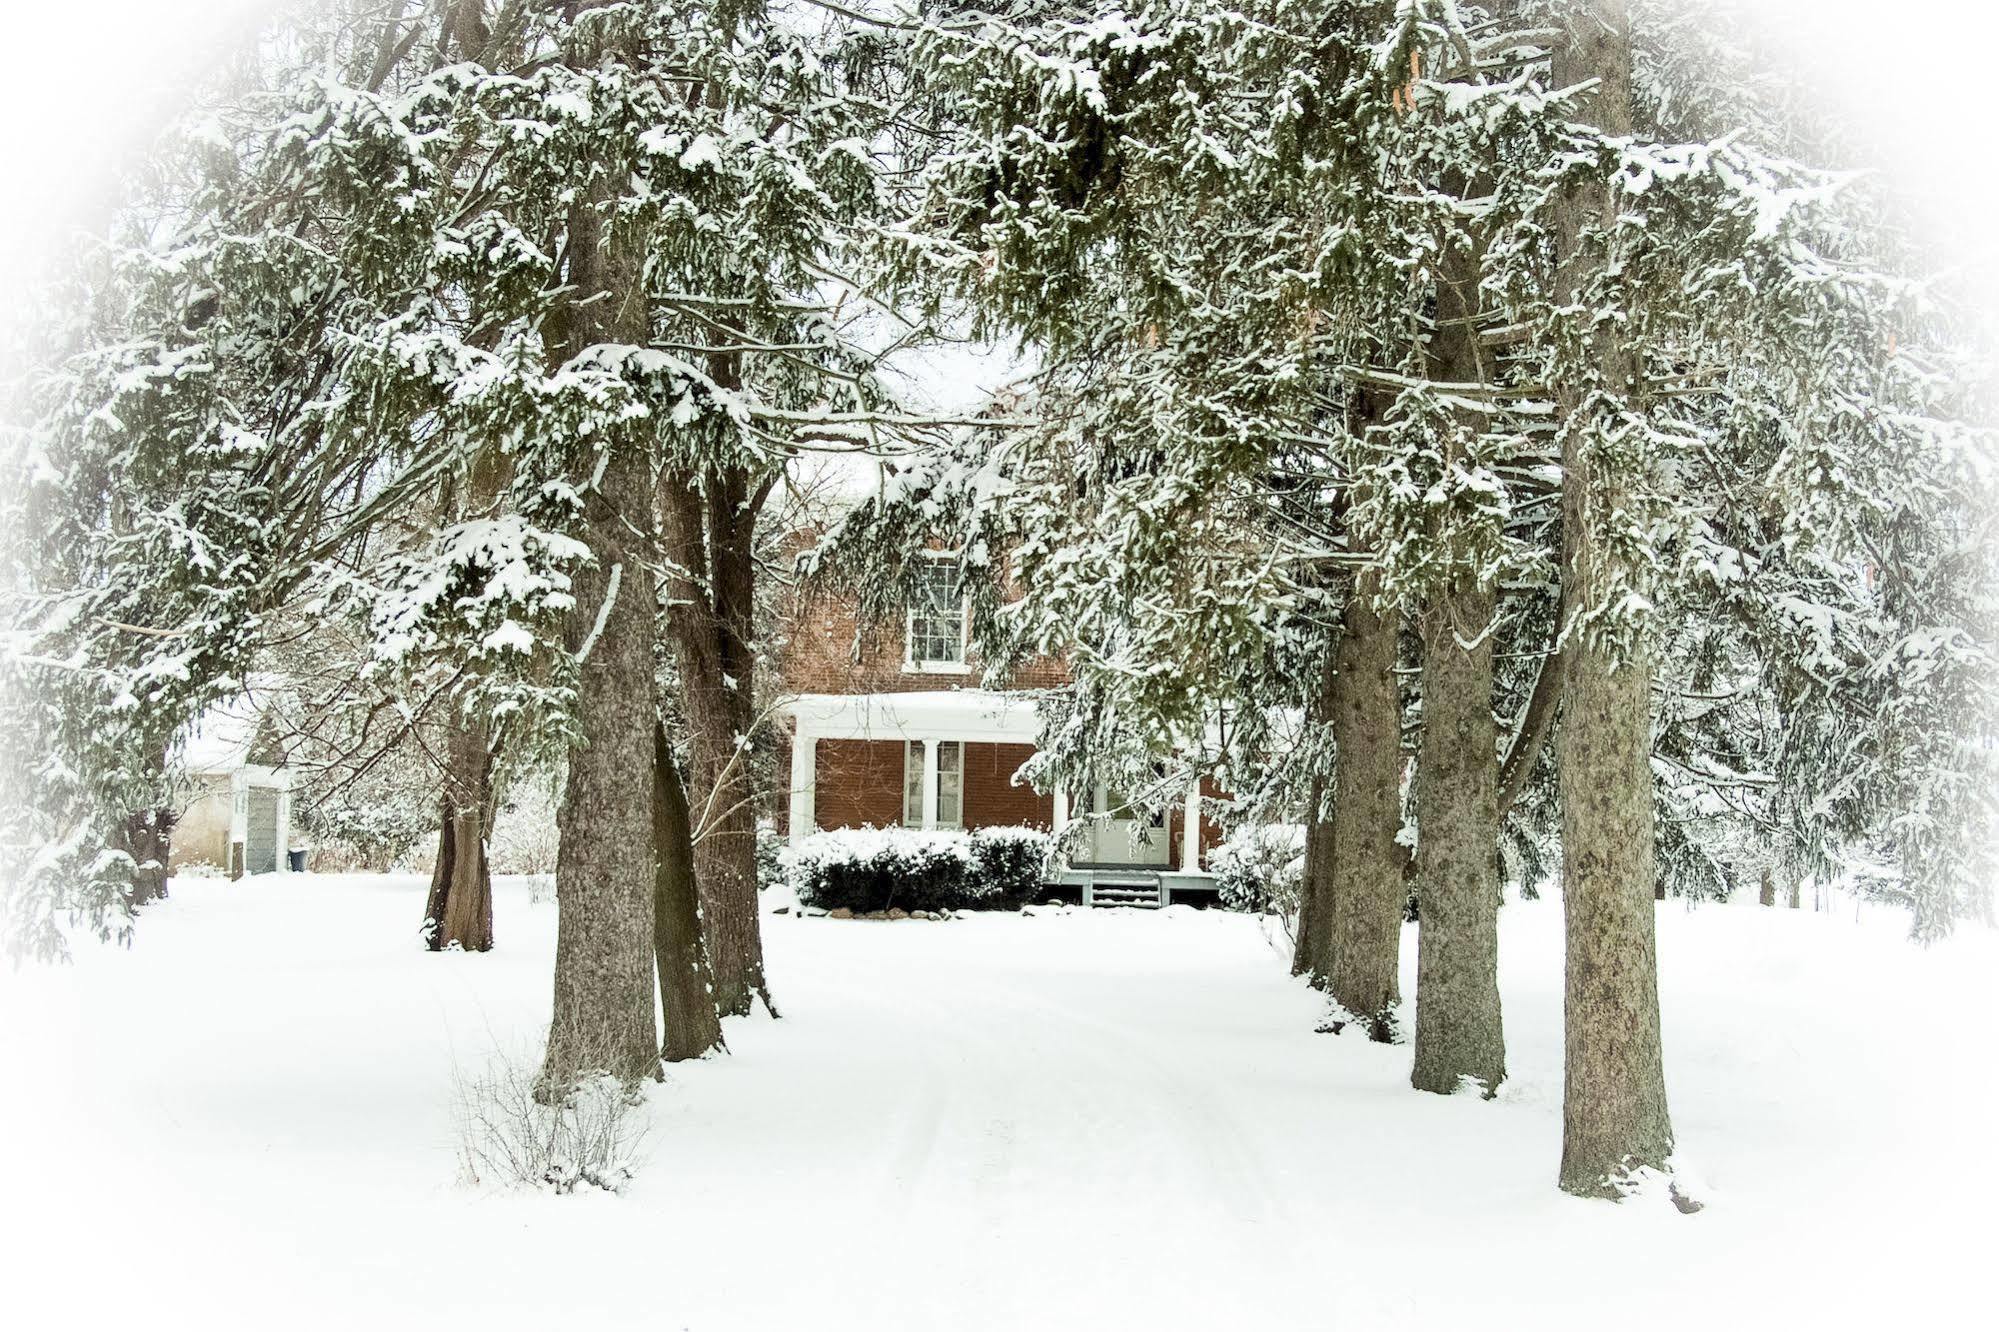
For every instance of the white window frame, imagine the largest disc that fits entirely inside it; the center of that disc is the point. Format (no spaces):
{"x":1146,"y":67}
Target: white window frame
{"x":912,"y":767}
{"x":910,"y":665}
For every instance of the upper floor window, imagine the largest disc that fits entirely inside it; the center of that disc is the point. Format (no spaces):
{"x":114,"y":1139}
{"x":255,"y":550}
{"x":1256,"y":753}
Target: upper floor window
{"x":937,"y":616}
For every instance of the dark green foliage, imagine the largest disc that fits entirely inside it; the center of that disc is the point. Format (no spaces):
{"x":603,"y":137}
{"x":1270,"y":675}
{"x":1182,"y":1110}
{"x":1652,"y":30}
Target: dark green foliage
{"x":1010,"y":864}
{"x":867,"y":869}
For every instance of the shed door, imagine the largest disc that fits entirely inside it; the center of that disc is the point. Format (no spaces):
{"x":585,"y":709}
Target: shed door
{"x":260,"y":845}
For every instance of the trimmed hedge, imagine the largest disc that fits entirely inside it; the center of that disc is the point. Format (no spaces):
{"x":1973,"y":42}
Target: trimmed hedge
{"x":1012,"y":863}
{"x":879,"y":869}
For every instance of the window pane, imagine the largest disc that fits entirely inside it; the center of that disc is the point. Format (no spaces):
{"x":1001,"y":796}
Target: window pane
{"x":951,"y":784}
{"x":937,"y":615}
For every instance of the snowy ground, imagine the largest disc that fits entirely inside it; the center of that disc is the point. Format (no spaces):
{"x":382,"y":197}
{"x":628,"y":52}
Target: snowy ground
{"x":1108,"y":1120}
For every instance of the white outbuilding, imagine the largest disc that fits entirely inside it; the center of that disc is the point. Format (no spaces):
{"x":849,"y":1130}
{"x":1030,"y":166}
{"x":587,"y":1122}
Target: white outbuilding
{"x":238,"y":809}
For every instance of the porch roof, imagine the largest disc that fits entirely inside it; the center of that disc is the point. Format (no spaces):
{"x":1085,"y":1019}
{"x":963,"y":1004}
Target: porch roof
{"x":940,"y":714}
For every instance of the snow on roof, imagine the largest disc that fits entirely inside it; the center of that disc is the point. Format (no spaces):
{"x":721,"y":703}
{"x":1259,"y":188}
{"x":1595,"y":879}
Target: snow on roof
{"x":953,"y":714}
{"x":220,"y":739}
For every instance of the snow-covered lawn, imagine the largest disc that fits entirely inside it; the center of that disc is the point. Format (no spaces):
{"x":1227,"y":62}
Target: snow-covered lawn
{"x":1108,"y":1120}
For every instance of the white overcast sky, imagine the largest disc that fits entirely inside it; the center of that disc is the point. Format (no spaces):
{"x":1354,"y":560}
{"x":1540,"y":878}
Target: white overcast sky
{"x":89,"y":80}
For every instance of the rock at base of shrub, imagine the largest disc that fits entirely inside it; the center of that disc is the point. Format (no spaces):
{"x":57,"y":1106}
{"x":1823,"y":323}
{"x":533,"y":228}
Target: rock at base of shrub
{"x":839,"y":913}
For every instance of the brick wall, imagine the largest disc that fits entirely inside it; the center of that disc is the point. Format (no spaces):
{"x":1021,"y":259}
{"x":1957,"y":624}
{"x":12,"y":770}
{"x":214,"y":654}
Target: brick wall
{"x":827,"y":651}
{"x":859,"y":782}
{"x":991,"y":801}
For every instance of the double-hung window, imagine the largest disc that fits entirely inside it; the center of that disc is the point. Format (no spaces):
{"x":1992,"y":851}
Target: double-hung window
{"x":950,"y":784}
{"x":937,"y":617}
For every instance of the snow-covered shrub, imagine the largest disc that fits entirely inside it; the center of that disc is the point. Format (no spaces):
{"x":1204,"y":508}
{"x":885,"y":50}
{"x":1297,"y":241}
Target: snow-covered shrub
{"x":1011,"y":864}
{"x":509,"y":1139}
{"x":876,"y":869}
{"x":1260,"y":867}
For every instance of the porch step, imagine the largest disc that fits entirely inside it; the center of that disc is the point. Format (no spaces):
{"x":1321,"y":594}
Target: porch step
{"x":1124,"y":888}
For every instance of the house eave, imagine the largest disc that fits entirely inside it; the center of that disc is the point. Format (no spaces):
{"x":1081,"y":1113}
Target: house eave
{"x":987,"y":715}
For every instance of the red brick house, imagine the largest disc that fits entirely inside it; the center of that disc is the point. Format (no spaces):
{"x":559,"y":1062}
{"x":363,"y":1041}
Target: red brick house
{"x":889,"y":729}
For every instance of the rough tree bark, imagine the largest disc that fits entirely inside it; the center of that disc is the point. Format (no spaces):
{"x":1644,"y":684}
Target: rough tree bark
{"x":1458,"y":1028}
{"x":1364,"y":883}
{"x":1310,"y":956}
{"x":1532,"y":734}
{"x":149,"y":841}
{"x":691,"y":1025}
{"x":1766,"y":889}
{"x":1309,"y":949}
{"x":1614,"y":1117}
{"x":709,"y":525}
{"x":460,"y":906}
{"x":147,"y":837}
{"x":606,"y":865}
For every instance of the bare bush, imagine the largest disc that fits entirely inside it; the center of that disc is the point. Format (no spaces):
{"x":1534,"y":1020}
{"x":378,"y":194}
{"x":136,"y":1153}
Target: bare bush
{"x":523,"y":839}
{"x":508,"y":1138}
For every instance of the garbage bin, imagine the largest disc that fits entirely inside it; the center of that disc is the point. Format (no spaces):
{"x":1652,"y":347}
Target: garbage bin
{"x":296,"y":856}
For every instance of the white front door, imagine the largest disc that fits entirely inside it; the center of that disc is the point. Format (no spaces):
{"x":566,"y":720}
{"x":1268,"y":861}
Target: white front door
{"x":1121,"y":835}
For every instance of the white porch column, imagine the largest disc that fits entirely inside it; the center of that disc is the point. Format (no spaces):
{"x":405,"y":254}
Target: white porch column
{"x":1061,"y":809}
{"x":1190,"y":830}
{"x":930,"y":782}
{"x":804,"y":786}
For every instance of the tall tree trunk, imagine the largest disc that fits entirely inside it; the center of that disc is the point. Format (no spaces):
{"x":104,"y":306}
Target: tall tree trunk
{"x":692,"y":1026}
{"x":1614,"y":1117}
{"x":1311,"y":949}
{"x":1458,"y":1032}
{"x":1365,"y":884}
{"x":1458,"y":1029}
{"x":440,"y":878}
{"x":1766,"y":889}
{"x":148,"y":840}
{"x":1532,"y":734}
{"x":460,"y":907}
{"x":709,"y":524}
{"x":1797,"y":898}
{"x":605,"y":871}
